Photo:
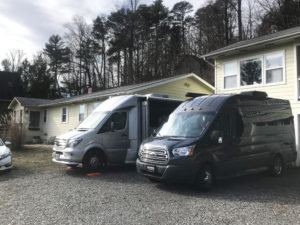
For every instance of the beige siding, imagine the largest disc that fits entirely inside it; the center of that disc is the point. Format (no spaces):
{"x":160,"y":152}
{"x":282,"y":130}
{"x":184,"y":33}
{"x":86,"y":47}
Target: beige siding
{"x":178,"y":89}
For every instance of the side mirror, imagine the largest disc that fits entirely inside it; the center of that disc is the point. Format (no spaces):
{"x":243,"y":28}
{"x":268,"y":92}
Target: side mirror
{"x":112,"y":126}
{"x":216,"y":136}
{"x":7,"y":143}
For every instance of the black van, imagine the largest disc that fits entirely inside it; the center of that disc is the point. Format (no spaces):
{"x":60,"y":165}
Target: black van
{"x":217,"y":136}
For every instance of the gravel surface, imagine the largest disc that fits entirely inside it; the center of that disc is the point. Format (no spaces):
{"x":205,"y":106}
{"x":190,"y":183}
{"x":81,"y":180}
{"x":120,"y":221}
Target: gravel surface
{"x":120,"y":196}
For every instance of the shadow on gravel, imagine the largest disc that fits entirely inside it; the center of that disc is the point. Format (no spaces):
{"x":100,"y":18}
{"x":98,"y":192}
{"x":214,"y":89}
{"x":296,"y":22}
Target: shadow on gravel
{"x":116,"y":174}
{"x":15,"y":172}
{"x":260,"y":188}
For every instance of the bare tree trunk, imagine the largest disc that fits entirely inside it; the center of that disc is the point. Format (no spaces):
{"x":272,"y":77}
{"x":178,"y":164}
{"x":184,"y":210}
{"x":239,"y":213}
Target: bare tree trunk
{"x":240,"y":26}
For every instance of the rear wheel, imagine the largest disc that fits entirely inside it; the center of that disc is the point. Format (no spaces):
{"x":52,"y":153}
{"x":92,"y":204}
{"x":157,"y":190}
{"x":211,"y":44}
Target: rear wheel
{"x":205,"y":178}
{"x":93,"y":162}
{"x":277,"y":166}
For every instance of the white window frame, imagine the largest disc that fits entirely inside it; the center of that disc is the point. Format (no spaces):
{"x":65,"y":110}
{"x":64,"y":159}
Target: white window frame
{"x":96,"y":103}
{"x":296,"y":72}
{"x":263,"y":59}
{"x":46,"y":110}
{"x":239,"y":72}
{"x":84,"y":113}
{"x":283,"y":68}
{"x":231,"y":75}
{"x":61,"y":115}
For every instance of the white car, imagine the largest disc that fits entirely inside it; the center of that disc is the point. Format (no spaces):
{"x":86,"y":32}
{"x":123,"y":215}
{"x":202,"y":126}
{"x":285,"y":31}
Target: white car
{"x":5,"y":156}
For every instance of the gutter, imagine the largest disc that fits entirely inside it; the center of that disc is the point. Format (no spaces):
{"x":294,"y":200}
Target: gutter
{"x":252,"y":44}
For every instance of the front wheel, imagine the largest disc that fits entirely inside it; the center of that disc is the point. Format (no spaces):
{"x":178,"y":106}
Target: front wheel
{"x":93,"y":162}
{"x":205,"y":178}
{"x":277,"y":166}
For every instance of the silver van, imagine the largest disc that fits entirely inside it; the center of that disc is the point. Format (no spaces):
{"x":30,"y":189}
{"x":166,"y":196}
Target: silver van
{"x":113,"y":132}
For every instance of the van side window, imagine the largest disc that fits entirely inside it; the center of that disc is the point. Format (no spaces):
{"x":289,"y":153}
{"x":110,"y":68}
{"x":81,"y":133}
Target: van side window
{"x":118,"y":118}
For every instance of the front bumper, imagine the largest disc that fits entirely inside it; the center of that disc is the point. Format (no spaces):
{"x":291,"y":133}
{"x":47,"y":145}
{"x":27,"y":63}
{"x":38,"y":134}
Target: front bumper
{"x":174,"y":173}
{"x":6,"y":164}
{"x":67,"y":156}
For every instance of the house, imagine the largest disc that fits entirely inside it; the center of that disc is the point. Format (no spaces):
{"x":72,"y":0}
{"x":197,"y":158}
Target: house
{"x":269,"y":63}
{"x":10,"y":86}
{"x":49,"y":118}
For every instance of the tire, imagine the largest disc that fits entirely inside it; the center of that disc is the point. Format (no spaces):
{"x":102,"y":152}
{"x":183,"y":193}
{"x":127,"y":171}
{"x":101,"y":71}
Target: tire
{"x":153,"y":180}
{"x":93,"y":162}
{"x":205,"y":178}
{"x":277,"y":166}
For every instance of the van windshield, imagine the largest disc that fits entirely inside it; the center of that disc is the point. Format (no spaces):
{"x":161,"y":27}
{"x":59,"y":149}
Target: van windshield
{"x":185,"y":124}
{"x":92,"y":121}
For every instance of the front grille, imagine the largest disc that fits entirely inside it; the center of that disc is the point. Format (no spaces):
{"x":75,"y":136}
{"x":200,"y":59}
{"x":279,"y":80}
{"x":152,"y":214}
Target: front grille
{"x":155,"y":155}
{"x":60,"y":143}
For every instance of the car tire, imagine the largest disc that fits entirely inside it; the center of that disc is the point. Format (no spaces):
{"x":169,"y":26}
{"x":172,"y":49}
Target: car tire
{"x":93,"y":162}
{"x":153,"y":180}
{"x":205,"y":178}
{"x":277,"y":166}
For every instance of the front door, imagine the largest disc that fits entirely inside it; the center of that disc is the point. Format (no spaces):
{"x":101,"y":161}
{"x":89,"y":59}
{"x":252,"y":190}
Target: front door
{"x":115,"y":137}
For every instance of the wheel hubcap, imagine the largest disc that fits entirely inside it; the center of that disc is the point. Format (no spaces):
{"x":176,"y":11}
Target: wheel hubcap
{"x":94,"y":162}
{"x":207,"y":177}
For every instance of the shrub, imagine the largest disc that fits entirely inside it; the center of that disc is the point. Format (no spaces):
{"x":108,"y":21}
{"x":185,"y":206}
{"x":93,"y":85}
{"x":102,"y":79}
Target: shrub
{"x":15,"y":135}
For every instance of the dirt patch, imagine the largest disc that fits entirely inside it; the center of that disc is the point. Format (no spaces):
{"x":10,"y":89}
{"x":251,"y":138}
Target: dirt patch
{"x":33,"y":157}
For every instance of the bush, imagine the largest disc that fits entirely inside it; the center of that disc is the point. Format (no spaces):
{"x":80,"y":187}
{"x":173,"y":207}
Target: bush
{"x":50,"y":141}
{"x":15,"y":135}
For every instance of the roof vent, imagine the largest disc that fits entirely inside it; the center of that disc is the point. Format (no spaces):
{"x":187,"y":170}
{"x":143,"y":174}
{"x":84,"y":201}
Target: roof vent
{"x":259,"y":94}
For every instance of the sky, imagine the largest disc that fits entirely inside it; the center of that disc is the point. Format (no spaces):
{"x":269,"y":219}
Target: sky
{"x":27,"y":24}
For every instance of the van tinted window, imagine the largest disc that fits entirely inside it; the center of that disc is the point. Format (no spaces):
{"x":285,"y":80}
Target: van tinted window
{"x":118,"y":118}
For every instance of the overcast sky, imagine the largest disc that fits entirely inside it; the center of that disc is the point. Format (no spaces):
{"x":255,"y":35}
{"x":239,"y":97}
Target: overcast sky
{"x":27,"y":24}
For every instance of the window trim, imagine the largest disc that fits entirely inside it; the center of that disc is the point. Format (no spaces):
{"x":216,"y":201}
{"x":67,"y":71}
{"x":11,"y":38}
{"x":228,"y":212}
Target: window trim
{"x":61,"y":114}
{"x":34,"y":128}
{"x":45,"y":110}
{"x":21,"y":120}
{"x":84,"y":113}
{"x":296,"y":72}
{"x":264,"y":73}
{"x":282,"y":52}
{"x":231,"y":75}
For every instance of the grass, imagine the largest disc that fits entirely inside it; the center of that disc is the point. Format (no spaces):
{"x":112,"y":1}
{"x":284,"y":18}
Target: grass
{"x":33,"y":157}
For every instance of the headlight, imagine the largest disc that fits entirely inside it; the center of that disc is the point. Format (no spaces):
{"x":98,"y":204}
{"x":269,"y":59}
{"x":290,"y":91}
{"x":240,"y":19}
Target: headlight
{"x":184,"y":151}
{"x":5,"y":155}
{"x":73,"y":142}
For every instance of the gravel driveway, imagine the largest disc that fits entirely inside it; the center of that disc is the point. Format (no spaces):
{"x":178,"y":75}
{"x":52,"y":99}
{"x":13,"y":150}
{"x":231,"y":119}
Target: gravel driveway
{"x":120,"y":196}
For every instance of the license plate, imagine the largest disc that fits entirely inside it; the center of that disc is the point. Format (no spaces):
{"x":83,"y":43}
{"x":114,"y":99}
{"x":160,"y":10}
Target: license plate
{"x":150,"y":168}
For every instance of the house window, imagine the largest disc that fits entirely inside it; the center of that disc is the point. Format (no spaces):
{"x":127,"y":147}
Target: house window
{"x":81,"y":112}
{"x":259,"y":70}
{"x":250,"y":71}
{"x":274,"y":68}
{"x":230,"y":75}
{"x":95,"y":105}
{"x":21,"y":116}
{"x":64,"y":115}
{"x":34,"y":120}
{"x":45,"y":116}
